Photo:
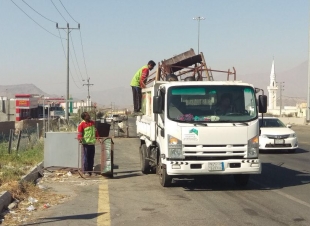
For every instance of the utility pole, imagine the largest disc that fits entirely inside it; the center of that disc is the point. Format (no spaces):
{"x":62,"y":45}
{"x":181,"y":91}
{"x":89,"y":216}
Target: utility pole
{"x":88,"y":85}
{"x":68,"y":70}
{"x":199,"y":18}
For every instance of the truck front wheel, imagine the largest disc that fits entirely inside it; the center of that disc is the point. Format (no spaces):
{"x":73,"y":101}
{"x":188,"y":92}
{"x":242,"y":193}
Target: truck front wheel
{"x":164,"y":179}
{"x":144,"y":163}
{"x":241,"y":179}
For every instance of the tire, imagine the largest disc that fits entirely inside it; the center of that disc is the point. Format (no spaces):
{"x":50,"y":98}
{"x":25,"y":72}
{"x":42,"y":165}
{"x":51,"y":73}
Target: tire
{"x":241,"y":180}
{"x":164,"y":179}
{"x":292,"y":151}
{"x":144,"y":163}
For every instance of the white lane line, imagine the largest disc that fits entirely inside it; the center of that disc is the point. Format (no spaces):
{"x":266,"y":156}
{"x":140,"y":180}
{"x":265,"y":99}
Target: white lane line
{"x":284,"y":195}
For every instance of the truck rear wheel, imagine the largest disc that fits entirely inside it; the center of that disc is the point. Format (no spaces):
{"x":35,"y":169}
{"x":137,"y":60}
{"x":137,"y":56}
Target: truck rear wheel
{"x":164,"y":179}
{"x":144,"y":163}
{"x":241,"y":179}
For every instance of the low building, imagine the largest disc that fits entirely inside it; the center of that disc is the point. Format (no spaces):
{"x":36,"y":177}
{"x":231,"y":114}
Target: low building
{"x":26,"y":106}
{"x":7,"y":109}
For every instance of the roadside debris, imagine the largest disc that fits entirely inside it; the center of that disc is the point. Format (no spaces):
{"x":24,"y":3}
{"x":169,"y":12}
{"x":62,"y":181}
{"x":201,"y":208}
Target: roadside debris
{"x":32,"y":200}
{"x":31,"y":208}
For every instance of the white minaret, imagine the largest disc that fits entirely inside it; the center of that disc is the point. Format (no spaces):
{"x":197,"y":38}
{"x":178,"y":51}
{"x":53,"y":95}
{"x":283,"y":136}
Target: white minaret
{"x":272,"y":89}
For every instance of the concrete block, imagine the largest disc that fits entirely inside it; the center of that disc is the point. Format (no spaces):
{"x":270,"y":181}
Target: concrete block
{"x":33,"y":174}
{"x":5,"y":200}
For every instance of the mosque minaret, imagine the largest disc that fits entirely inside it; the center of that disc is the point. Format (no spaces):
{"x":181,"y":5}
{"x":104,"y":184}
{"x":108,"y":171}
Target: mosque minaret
{"x":272,"y":89}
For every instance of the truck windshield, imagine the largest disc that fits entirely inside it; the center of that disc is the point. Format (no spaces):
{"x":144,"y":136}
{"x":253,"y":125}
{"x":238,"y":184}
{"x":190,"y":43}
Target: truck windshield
{"x":211,"y":103}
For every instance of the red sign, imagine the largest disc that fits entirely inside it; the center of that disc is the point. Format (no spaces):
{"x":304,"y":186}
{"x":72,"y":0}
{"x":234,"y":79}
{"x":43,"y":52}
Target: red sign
{"x":22,"y":103}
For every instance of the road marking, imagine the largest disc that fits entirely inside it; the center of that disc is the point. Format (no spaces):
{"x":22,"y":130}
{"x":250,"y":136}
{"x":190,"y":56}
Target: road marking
{"x":285,"y":195}
{"x":104,"y":218}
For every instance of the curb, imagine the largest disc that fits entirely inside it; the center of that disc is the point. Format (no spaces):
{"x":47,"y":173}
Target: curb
{"x":32,"y":175}
{"x":5,"y":200}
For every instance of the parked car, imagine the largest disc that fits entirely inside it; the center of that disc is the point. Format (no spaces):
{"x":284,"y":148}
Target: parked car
{"x":109,"y":118}
{"x":117,"y":118}
{"x":276,"y":136}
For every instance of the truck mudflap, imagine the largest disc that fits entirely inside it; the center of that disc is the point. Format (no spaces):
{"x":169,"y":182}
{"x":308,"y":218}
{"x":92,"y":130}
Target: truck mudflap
{"x":246,"y":166}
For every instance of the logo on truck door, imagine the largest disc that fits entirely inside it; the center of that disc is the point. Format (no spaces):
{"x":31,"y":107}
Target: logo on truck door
{"x":190,"y":134}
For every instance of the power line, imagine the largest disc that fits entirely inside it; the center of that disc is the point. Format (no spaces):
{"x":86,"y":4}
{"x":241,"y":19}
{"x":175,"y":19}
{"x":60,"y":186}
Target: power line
{"x":76,"y":58}
{"x":59,"y":11}
{"x":68,"y":12}
{"x":80,"y":37}
{"x":62,"y":44}
{"x":34,"y":20}
{"x":38,"y":12}
{"x":59,"y":33}
{"x":83,"y":53}
{"x":73,"y":44}
{"x":65,"y":57}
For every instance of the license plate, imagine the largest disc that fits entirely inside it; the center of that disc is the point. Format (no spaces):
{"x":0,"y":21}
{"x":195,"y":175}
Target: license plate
{"x":215,"y":166}
{"x":278,"y":141}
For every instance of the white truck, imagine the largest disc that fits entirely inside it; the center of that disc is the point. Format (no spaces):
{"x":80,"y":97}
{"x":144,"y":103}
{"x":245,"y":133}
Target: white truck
{"x":182,"y":133}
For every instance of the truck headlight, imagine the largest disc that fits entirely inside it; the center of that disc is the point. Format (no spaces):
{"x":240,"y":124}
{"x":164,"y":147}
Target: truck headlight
{"x":175,"y":148}
{"x":253,"y":147}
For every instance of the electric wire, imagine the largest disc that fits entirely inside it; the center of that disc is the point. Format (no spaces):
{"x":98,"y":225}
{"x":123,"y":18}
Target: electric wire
{"x":70,"y":36}
{"x":76,"y":57}
{"x":59,"y":11}
{"x":68,"y":12}
{"x":34,"y":20}
{"x":71,"y":57}
{"x":38,"y":12}
{"x":73,"y":44}
{"x":80,"y":38}
{"x":62,"y":43}
{"x":83,"y":54}
{"x":65,"y":57}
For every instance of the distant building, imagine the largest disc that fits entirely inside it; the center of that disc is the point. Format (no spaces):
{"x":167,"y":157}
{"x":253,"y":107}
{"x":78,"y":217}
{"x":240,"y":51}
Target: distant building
{"x":26,"y":106}
{"x":296,"y":111}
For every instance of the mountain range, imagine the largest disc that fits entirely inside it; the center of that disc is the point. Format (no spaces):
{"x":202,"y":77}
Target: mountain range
{"x":294,"y":90}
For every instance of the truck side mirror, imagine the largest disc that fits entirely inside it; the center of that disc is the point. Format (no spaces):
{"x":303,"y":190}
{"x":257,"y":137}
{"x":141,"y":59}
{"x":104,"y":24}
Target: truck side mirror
{"x":262,"y":103}
{"x":157,"y":104}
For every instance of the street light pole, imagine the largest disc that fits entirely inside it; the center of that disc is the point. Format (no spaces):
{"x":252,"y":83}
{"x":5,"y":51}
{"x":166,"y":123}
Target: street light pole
{"x":198,"y":18}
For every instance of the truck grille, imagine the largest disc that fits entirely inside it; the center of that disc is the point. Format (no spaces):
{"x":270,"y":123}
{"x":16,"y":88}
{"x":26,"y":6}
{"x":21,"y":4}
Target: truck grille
{"x":195,"y":158}
{"x":208,"y":152}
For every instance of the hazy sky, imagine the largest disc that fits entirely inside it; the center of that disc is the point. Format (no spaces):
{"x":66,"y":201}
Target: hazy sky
{"x":119,"y":37}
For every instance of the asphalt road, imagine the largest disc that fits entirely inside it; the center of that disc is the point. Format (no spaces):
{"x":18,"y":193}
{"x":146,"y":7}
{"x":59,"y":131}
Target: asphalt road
{"x":278,"y":196}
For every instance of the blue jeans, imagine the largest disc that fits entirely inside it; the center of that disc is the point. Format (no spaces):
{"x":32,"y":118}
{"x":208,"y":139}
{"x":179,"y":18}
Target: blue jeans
{"x":88,"y":157}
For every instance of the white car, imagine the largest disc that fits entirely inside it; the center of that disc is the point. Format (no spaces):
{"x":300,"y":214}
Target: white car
{"x":276,"y":136}
{"x":109,"y":118}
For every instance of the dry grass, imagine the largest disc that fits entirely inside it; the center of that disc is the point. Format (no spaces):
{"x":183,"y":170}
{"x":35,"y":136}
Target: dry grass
{"x":23,"y":192}
{"x":12,"y":167}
